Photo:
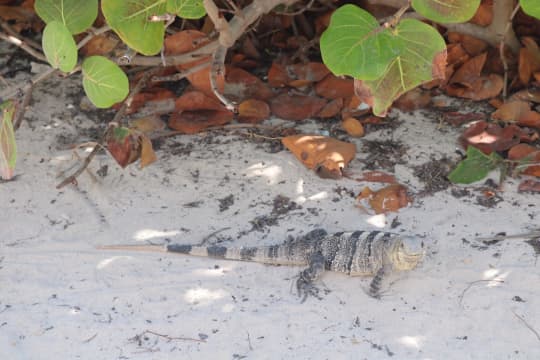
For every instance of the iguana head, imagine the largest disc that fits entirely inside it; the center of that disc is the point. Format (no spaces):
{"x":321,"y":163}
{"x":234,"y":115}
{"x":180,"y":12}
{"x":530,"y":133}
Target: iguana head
{"x":407,"y":253}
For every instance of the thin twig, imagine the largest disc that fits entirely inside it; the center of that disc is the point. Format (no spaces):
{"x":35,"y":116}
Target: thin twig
{"x":501,"y":50}
{"x":24,"y":46}
{"x":93,"y":33}
{"x":527,"y":325}
{"x":5,"y":25}
{"x":170,"y":338}
{"x":474,"y":283}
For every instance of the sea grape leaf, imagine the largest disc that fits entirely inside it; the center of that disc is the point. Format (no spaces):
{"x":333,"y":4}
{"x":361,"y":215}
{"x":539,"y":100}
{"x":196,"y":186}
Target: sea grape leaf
{"x":422,"y":58}
{"x":475,"y":166}
{"x":130,"y":20}
{"x":75,"y":14}
{"x":186,"y":9}
{"x":354,"y":44}
{"x":531,"y":7}
{"x":103,"y":81}
{"x":8,"y":146}
{"x":446,"y":11}
{"x":59,"y":47}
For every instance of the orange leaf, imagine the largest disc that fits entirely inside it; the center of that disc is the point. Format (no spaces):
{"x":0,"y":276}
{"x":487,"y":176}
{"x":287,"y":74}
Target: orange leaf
{"x":469,"y":71}
{"x":148,"y":155}
{"x":331,"y":109}
{"x":191,"y":122}
{"x":353,"y":127}
{"x":197,"y":100}
{"x":389,"y":199}
{"x":332,"y":87}
{"x":241,"y":85}
{"x":529,"y":185}
{"x":529,"y":154}
{"x":377,"y":176}
{"x":296,"y":107}
{"x":511,"y":111}
{"x":326,"y":155}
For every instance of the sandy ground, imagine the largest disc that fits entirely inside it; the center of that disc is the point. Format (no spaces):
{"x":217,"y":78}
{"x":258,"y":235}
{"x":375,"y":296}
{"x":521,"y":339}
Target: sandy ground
{"x":61,"y":298}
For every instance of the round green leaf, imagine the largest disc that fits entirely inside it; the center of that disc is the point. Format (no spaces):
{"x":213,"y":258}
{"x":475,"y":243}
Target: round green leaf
{"x":354,"y":44}
{"x":103,"y":81}
{"x":531,"y":7}
{"x":422,"y":58}
{"x":475,"y":167}
{"x":76,"y":15}
{"x":446,"y":11}
{"x":130,"y":20}
{"x":187,"y":9}
{"x":59,"y":46}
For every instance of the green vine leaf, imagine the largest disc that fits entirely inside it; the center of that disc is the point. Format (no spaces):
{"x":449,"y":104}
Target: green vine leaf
{"x":59,"y":47}
{"x":446,"y":11}
{"x":354,"y":44}
{"x":421,"y":58}
{"x":475,"y":166}
{"x":531,"y":7}
{"x":8,"y":147}
{"x":76,"y":15}
{"x":186,"y":9}
{"x":103,"y":81}
{"x":130,"y":20}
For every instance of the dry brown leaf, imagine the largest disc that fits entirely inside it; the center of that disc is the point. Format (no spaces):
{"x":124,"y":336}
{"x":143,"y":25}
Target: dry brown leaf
{"x":100,"y":45}
{"x":528,"y":153}
{"x":353,"y":127}
{"x":529,"y":60}
{"x":241,"y":85}
{"x":197,"y":100}
{"x":377,"y":176}
{"x":484,"y":14}
{"x":253,"y":111}
{"x":529,"y":185}
{"x":331,"y":109}
{"x":148,"y":124}
{"x":277,"y":75}
{"x":472,"y":45}
{"x":413,"y":100}
{"x":482,"y":88}
{"x":389,"y":199}
{"x":530,"y":118}
{"x":333,"y":87}
{"x":469,"y":71}
{"x":148,"y":155}
{"x":511,"y":111}
{"x":489,"y":137}
{"x":191,"y":122}
{"x":326,"y":155}
{"x":296,"y":107}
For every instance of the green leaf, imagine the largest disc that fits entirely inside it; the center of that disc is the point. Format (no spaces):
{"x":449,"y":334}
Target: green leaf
{"x":354,"y":44}
{"x":75,"y":14}
{"x":475,"y":167}
{"x":187,"y":9}
{"x":8,"y":147}
{"x":531,"y":7}
{"x":103,"y":81}
{"x":130,"y":20}
{"x":446,"y":11}
{"x":59,"y":47}
{"x":422,"y":58}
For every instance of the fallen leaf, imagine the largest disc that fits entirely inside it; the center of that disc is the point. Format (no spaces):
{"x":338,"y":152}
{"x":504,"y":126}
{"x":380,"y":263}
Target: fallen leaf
{"x":333,"y":87}
{"x":325,"y":155}
{"x":241,"y":85}
{"x":148,"y":124}
{"x":529,"y":60}
{"x":456,"y":118}
{"x":277,"y":75}
{"x":353,"y":127}
{"x":472,"y":45}
{"x":527,"y":95}
{"x":148,"y":155}
{"x":484,"y":14}
{"x":197,"y":100}
{"x":331,"y":109}
{"x":530,"y":119}
{"x":140,"y":99}
{"x":389,"y":199}
{"x":526,"y":154}
{"x":191,"y":122}
{"x":413,"y":100}
{"x":511,"y":111}
{"x":296,"y":107}
{"x":529,"y":185}
{"x":377,"y":176}
{"x":489,"y":137}
{"x":469,"y":71}
{"x":101,"y":44}
{"x":253,"y":111}
{"x":124,"y":145}
{"x":482,"y":88}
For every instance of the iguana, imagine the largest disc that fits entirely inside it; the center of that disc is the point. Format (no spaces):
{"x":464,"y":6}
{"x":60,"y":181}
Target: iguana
{"x":359,"y":253}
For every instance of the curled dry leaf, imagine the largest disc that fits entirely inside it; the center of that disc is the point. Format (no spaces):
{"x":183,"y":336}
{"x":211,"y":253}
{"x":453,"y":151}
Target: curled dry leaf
{"x":469,"y":71}
{"x":296,"y":107}
{"x":481,"y":88}
{"x":388,"y":199}
{"x":378,"y":176}
{"x":472,"y":45}
{"x":331,"y":109}
{"x":253,"y":111}
{"x":124,"y":145}
{"x":148,"y":155}
{"x":353,"y":127}
{"x":529,"y":60}
{"x":511,"y":111}
{"x":488,"y":137}
{"x":326,"y":155}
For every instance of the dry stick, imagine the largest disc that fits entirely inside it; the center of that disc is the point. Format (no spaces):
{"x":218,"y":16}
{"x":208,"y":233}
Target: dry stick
{"x":527,"y":325}
{"x":21,"y":44}
{"x":91,"y":34}
{"x":473,"y":283}
{"x":116,"y":120}
{"x":501,"y":50}
{"x":4,"y":25}
{"x":170,"y":338}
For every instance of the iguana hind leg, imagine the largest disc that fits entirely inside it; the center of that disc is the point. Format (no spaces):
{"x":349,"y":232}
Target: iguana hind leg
{"x":304,"y":284}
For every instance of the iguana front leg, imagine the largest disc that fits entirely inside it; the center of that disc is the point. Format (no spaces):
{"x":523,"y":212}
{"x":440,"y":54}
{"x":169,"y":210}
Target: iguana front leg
{"x":304,"y":284}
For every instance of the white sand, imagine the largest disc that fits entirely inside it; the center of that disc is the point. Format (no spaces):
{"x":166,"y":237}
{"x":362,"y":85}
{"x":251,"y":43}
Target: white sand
{"x":60,"y":298}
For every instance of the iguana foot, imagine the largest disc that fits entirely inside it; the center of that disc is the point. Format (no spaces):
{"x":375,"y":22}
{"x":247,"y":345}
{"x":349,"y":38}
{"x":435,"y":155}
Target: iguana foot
{"x":304,"y":284}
